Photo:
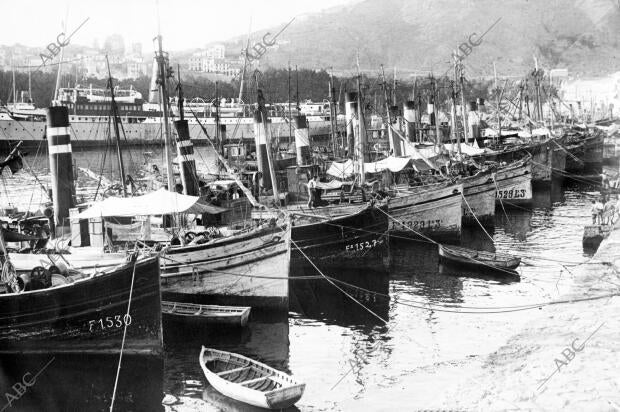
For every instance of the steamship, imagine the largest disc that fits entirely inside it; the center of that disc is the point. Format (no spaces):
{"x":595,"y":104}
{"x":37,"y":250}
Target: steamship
{"x":89,"y":114}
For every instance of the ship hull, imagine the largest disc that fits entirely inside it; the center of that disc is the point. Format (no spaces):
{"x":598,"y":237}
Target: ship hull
{"x":95,"y":132}
{"x":479,"y":201}
{"x":514,"y":184}
{"x":87,"y":316}
{"x":360,"y":237}
{"x":248,"y":270}
{"x":434,"y":212}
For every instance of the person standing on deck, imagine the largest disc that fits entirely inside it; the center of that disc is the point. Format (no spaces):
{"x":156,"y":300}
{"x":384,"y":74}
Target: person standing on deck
{"x":597,"y":211}
{"x":312,"y":192}
{"x":609,"y":210}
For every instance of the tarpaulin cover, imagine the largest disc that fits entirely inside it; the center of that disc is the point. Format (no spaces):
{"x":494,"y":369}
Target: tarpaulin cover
{"x":160,"y":202}
{"x":334,"y":184}
{"x":341,"y":170}
{"x":465,"y":149}
{"x":393,"y":164}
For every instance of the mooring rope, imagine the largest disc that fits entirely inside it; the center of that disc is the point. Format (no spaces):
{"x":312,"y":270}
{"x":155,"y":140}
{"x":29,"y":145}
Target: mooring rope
{"x":500,"y":199}
{"x":120,"y":358}
{"x":475,"y":217}
{"x":336,"y":286}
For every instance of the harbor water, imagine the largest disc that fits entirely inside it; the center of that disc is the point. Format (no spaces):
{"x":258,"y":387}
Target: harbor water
{"x":380,"y":339}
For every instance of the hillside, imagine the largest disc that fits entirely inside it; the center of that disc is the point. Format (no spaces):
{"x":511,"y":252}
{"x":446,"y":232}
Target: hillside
{"x":417,"y":36}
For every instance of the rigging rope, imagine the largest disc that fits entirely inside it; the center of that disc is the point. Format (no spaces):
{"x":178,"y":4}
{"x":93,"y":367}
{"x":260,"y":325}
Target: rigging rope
{"x":120,"y":358}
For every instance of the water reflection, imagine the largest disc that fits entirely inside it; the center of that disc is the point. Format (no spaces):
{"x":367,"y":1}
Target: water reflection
{"x":414,"y":267}
{"x":80,"y":382}
{"x":320,"y":300}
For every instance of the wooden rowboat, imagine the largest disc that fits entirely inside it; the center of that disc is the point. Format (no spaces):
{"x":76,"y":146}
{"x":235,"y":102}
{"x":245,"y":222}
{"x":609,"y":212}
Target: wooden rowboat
{"x":249,"y":381}
{"x":214,"y":314}
{"x":479,"y":259}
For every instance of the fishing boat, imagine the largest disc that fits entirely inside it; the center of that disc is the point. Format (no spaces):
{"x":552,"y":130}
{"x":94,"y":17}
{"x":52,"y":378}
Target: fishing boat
{"x":335,"y":238}
{"x":479,"y":193}
{"x":84,"y":313}
{"x":209,"y":314}
{"x":249,"y":381}
{"x":514,"y":183}
{"x":477,"y":258}
{"x":433,"y":210}
{"x":247,"y":267}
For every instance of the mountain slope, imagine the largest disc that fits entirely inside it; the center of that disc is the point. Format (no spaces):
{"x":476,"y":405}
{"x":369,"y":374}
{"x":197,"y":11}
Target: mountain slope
{"x":417,"y":36}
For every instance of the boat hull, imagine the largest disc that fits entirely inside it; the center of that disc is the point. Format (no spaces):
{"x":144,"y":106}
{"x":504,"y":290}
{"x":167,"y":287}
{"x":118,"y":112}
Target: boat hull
{"x":593,"y":151}
{"x":87,"y":316}
{"x":248,"y":270}
{"x":206,"y":314}
{"x":434,"y":212}
{"x":541,"y":159}
{"x":451,"y":257}
{"x":514,"y":184}
{"x":479,"y":202}
{"x":289,"y":392}
{"x":360,"y":237}
{"x":558,"y":163}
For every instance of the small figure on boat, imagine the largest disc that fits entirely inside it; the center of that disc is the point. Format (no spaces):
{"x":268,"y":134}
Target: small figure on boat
{"x":597,"y":211}
{"x":604,"y":181}
{"x":312,"y":192}
{"x":609,"y":211}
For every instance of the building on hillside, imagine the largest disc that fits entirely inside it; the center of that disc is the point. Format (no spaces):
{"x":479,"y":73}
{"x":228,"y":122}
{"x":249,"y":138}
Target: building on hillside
{"x":214,"y":60}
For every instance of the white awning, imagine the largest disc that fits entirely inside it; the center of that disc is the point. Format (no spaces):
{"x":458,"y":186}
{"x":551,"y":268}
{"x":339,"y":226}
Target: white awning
{"x":341,"y":170}
{"x":160,"y":202}
{"x":465,"y":149}
{"x":393,"y":164}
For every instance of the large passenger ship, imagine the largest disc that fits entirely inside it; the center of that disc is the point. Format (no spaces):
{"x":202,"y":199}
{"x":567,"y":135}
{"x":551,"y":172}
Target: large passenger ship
{"x":89,"y":114}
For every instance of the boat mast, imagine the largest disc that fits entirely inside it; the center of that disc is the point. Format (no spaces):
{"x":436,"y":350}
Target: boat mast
{"x":262,"y":111}
{"x":164,"y":100}
{"x":30,"y":83}
{"x":360,"y":146}
{"x":539,"y":112}
{"x":115,"y":119}
{"x":332,"y":112}
{"x":297,"y":89}
{"x":463,"y":108}
{"x":290,"y":115}
{"x":394,"y":145}
{"x":435,"y":111}
{"x":455,"y":133}
{"x":245,"y":62}
{"x":218,"y":135}
{"x":14,"y":89}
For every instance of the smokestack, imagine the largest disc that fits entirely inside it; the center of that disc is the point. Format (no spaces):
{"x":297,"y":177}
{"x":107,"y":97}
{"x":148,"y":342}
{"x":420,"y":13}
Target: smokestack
{"x":302,"y":141}
{"x":187,"y":163}
{"x":61,"y":166}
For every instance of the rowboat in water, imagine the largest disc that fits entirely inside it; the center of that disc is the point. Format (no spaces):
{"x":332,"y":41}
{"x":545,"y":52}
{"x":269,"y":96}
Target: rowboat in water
{"x":479,"y":259}
{"x":210,"y":314}
{"x":249,"y":381}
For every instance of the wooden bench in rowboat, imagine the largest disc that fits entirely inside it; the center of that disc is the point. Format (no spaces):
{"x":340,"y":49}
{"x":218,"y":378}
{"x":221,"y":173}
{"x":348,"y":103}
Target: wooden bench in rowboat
{"x":213,"y":314}
{"x":479,"y":259}
{"x":249,"y":381}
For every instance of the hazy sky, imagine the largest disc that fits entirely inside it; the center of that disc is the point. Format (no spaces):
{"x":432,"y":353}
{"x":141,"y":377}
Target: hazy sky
{"x":184,"y":23}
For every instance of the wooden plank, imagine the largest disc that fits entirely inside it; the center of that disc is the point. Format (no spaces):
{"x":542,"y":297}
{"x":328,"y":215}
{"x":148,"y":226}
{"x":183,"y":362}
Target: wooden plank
{"x":245,"y":383}
{"x":228,"y":372}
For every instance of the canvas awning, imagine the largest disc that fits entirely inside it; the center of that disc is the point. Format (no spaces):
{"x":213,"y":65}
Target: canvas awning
{"x":341,"y":170}
{"x":160,"y":202}
{"x":465,"y":149}
{"x":393,"y":164}
{"x":334,"y":184}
